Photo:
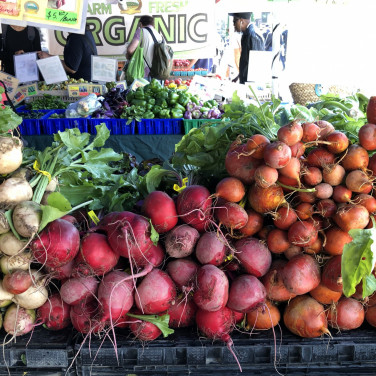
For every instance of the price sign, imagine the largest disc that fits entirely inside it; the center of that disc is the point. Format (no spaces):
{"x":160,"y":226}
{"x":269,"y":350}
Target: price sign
{"x":61,"y":16}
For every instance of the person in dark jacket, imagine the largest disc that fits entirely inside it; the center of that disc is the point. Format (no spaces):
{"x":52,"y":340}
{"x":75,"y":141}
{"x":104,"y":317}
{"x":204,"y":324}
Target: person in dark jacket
{"x":251,"y":40}
{"x":17,"y":40}
{"x":77,"y":55}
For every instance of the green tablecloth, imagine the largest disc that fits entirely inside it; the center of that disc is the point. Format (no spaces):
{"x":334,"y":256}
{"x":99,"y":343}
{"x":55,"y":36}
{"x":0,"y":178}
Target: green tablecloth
{"x":143,"y":147}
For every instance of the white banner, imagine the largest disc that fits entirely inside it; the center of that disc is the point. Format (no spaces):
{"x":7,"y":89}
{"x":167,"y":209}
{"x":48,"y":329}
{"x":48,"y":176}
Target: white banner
{"x":187,"y":25}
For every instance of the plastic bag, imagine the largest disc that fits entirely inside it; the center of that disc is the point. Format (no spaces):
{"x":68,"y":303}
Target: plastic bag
{"x":84,"y":107}
{"x":135,"y":67}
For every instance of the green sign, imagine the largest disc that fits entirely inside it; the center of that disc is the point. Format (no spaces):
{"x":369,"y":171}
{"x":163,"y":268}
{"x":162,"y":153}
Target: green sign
{"x":61,"y":16}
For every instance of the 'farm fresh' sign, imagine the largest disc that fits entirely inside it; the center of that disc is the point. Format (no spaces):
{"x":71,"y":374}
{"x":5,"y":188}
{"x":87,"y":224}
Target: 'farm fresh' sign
{"x":188,"y":26}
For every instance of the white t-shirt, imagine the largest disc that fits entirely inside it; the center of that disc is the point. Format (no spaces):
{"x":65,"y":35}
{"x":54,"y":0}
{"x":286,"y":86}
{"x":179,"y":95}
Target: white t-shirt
{"x":148,"y":43}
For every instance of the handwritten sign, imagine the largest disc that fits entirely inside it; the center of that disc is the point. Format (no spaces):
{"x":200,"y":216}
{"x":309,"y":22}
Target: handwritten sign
{"x":26,"y":67}
{"x":61,"y":16}
{"x":52,"y":70}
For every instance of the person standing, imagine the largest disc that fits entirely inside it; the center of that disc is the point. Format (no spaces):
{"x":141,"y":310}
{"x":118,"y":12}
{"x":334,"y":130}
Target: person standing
{"x":251,"y":40}
{"x":17,"y":40}
{"x":147,"y":42}
{"x":77,"y":55}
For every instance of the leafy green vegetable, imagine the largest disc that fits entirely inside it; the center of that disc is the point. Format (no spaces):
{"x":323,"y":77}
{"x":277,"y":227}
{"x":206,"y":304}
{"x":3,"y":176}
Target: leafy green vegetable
{"x":358,"y":261}
{"x":160,"y":321}
{"x":9,"y":120}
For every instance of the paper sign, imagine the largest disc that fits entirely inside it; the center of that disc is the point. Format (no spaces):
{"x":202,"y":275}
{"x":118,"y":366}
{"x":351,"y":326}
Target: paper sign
{"x":52,"y":70}
{"x":11,"y":9}
{"x":204,"y":87}
{"x":29,"y":90}
{"x":103,"y":69}
{"x":25,"y":66}
{"x":82,"y":90}
{"x":11,"y":83}
{"x":260,"y":66}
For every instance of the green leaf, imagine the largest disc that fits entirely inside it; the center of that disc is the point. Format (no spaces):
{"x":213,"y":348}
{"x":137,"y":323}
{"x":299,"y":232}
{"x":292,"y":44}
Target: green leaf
{"x":159,"y":321}
{"x":154,"y":236}
{"x":57,"y":207}
{"x":9,"y":216}
{"x":358,"y":259}
{"x":103,"y":133}
{"x":369,"y":285}
{"x":73,"y":139}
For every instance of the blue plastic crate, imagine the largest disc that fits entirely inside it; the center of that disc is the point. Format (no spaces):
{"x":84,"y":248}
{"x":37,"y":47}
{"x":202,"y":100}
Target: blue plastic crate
{"x":54,"y":125}
{"x":127,"y":128}
{"x":146,"y":126}
{"x":113,"y":125}
{"x":31,"y":127}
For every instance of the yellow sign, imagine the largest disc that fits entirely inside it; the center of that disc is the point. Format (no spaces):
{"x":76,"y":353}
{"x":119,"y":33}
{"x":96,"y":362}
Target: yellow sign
{"x":56,"y":14}
{"x":130,"y":7}
{"x":10,"y":82}
{"x":82,"y":90}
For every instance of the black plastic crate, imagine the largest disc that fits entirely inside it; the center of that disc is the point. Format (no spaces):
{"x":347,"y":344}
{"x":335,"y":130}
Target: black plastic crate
{"x":43,"y":352}
{"x":186,"y":354}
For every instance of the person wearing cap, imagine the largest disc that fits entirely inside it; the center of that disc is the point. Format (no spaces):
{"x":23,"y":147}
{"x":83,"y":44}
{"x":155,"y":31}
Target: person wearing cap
{"x":251,"y":40}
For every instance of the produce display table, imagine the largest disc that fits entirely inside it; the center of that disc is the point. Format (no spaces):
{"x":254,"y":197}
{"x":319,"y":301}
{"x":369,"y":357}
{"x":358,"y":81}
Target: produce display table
{"x":143,"y":147}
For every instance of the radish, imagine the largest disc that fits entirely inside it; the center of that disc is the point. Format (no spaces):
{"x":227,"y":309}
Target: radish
{"x":254,"y":223}
{"x":338,"y":142}
{"x":292,"y":251}
{"x":95,"y":255}
{"x":301,"y":274}
{"x":82,"y":316}
{"x":356,"y":158}
{"x":4,"y":224}
{"x":231,"y":215}
{"x":326,"y":128}
{"x":304,"y":211}
{"x":347,"y":314}
{"x":211,"y":248}
{"x":333,"y":175}
{"x":254,"y":256}
{"x":128,"y":234}
{"x":323,"y":191}
{"x":297,"y":150}
{"x":212,"y":286}
{"x":371,"y":107}
{"x":311,"y":132}
{"x":115,"y":297}
{"x":265,"y":176}
{"x":341,"y":194}
{"x":273,"y":282}
{"x":152,"y":257}
{"x":324,"y":295}
{"x":10,"y":154}
{"x":327,"y":208}
{"x":230,"y":189}
{"x":5,"y":296}
{"x":18,"y":321}
{"x":288,"y":182}
{"x":302,"y":234}
{"x":239,"y":164}
{"x":217,"y":325}
{"x":194,"y":206}
{"x":246,"y":293}
{"x":14,"y":191}
{"x":277,"y":154}
{"x":26,"y":217}
{"x":160,"y":208}
{"x":290,"y":133}
{"x":182,"y":313}
{"x":11,"y":263}
{"x":183,"y":273}
{"x":75,"y":290}
{"x":372,"y":164}
{"x":17,"y":281}
{"x":277,"y":241}
{"x":57,"y":244}
{"x":256,"y":145}
{"x":312,"y":176}
{"x":143,"y":330}
{"x":62,"y":272}
{"x":359,"y":182}
{"x":367,"y":136}
{"x":368,"y":201}
{"x":371,"y":315}
{"x":284,"y":217}
{"x":331,"y":274}
{"x":181,"y":240}
{"x":320,"y":157}
{"x":10,"y":245}
{"x":264,"y":200}
{"x":305,"y":317}
{"x":55,"y":313}
{"x":309,"y":197}
{"x":315,"y":248}
{"x":264,"y":317}
{"x":336,"y":240}
{"x":350,"y":217}
{"x":156,"y":293}
{"x":292,"y":169}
